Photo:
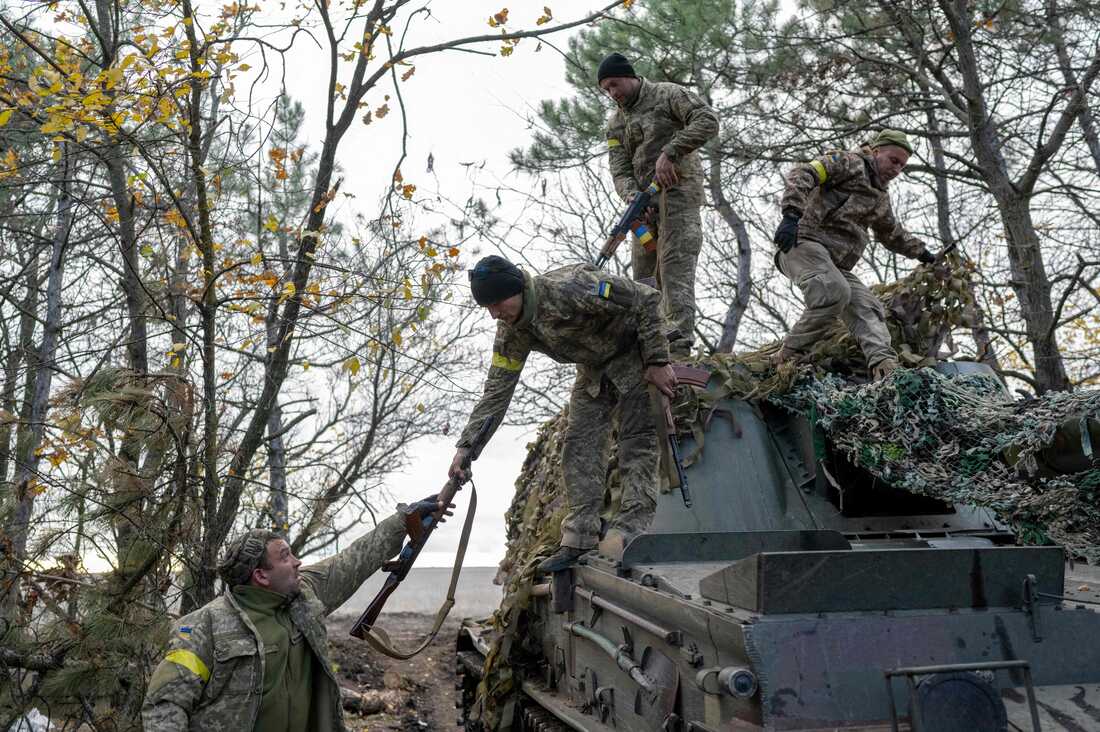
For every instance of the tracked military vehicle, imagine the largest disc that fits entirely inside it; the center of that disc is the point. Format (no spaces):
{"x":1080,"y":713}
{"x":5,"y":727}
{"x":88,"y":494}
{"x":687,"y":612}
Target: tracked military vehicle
{"x":799,"y":592}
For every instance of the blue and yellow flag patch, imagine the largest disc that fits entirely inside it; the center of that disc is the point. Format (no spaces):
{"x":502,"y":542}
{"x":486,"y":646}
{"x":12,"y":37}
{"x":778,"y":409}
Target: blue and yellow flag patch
{"x":603,"y":289}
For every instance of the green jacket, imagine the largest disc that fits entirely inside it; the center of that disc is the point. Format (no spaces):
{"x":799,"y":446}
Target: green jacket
{"x":661,"y":117}
{"x":840,"y":196}
{"x":607,"y":325}
{"x":211,"y":678}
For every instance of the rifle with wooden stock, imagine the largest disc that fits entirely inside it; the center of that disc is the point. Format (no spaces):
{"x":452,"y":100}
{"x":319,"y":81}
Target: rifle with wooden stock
{"x":677,"y":477}
{"x":419,"y":527}
{"x":630,"y":221}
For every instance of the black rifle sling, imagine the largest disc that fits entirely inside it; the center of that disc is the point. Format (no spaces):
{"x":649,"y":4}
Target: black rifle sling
{"x":380,"y":641}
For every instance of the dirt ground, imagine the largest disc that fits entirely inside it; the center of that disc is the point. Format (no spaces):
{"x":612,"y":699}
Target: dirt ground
{"x":418,"y":694}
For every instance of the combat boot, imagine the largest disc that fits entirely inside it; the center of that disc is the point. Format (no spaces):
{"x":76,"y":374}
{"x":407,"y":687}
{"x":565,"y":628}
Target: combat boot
{"x":882,"y":369}
{"x":564,"y":558}
{"x":614,"y":542}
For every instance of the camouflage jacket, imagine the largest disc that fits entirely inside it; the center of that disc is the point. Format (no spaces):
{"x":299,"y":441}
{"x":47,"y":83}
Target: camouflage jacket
{"x":607,"y":325}
{"x":211,"y":678}
{"x":662,"y":117}
{"x":839,"y":196}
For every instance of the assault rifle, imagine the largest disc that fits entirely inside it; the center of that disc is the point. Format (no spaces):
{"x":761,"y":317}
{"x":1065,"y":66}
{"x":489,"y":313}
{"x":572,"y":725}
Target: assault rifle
{"x":419,"y":528}
{"x":677,"y":477}
{"x":630,"y":221}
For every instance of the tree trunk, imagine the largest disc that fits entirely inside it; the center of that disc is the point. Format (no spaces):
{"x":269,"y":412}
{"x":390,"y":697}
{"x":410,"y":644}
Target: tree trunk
{"x":18,"y":526}
{"x":978,"y":329}
{"x":1029,"y":277}
{"x":1085,"y":119}
{"x":740,"y":303}
{"x":22,"y":353}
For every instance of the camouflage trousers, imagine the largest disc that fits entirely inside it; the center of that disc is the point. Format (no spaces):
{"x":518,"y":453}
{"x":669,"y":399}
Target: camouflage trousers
{"x":828,"y":293}
{"x":673,"y":264}
{"x":584,"y":461}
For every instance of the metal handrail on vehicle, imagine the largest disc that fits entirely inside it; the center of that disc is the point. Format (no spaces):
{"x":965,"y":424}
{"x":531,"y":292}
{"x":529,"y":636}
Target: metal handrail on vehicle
{"x":911,"y":672}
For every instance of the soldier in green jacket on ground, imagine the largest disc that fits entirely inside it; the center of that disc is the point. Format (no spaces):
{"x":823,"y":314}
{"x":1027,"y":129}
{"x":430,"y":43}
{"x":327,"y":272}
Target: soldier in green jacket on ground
{"x":828,"y":205}
{"x":611,"y":328}
{"x":654,"y":133}
{"x":256,"y":657}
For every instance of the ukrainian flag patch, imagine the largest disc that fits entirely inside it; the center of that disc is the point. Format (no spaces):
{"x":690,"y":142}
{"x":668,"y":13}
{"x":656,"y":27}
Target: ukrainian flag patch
{"x":185,"y":630}
{"x":603,"y":289}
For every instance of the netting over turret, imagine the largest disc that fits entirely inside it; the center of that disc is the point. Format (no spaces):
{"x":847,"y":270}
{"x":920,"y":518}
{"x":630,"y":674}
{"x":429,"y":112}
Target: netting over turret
{"x":1034,"y":463}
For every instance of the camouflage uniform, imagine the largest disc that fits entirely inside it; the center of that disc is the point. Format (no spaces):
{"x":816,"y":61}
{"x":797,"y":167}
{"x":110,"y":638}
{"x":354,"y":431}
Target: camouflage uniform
{"x":665,"y":117}
{"x":611,"y":328}
{"x":839,"y":196}
{"x":212,"y":677}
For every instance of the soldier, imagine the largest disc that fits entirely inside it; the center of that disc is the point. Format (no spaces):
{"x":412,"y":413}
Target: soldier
{"x":611,"y":328}
{"x":654,"y":133}
{"x":828,"y":204}
{"x":256,"y":657}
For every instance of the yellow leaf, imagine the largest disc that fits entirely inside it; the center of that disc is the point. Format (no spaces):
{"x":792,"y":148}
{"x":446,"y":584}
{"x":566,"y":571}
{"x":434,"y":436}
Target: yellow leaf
{"x":243,"y":67}
{"x":257,"y":259}
{"x":272,"y":224}
{"x":397,"y":336}
{"x":352,"y":365}
{"x":288,"y":291}
{"x":505,"y":50}
{"x":407,"y":191}
{"x":305,"y":365}
{"x":56,"y":154}
{"x":5,"y":116}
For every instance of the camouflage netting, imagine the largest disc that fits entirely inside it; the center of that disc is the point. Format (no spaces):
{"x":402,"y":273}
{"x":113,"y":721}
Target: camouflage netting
{"x":961,"y":440}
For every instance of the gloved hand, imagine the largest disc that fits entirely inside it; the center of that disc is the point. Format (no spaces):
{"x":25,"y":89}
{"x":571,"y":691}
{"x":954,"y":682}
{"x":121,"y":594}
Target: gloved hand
{"x":428,"y":506}
{"x":926,"y":257}
{"x":786,"y":236}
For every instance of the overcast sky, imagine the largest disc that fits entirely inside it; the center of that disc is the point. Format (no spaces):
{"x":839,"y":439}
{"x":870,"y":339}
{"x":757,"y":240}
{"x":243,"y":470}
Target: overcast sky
{"x":461,"y":107}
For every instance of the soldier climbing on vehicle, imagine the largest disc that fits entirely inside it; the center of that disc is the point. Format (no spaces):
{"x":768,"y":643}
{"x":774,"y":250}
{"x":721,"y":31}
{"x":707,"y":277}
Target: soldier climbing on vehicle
{"x":828,"y":205}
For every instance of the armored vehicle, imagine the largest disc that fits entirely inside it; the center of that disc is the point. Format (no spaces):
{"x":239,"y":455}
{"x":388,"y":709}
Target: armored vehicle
{"x":797,"y":593}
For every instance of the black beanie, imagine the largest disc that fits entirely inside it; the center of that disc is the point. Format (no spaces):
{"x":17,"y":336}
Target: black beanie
{"x":614,"y":65}
{"x":494,"y":279}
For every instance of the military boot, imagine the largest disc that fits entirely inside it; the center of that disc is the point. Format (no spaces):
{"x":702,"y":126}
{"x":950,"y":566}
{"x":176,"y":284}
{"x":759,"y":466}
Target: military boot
{"x":882,"y":369}
{"x":564,"y":558}
{"x":614,"y":542}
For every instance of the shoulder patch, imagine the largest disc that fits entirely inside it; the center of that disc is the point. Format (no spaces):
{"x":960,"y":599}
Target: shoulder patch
{"x":185,"y":630}
{"x":189,"y":661}
{"x":508,"y":364}
{"x":603,"y":289}
{"x":613,"y":142}
{"x":819,"y":170}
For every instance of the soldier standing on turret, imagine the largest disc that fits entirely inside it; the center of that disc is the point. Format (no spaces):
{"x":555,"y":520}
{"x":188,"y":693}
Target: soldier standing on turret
{"x":653,"y":134}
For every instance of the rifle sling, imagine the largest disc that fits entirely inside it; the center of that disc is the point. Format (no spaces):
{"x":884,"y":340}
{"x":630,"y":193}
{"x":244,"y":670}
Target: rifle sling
{"x":380,"y":641}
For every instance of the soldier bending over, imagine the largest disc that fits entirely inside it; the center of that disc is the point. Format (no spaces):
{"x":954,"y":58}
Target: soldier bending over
{"x":611,"y":328}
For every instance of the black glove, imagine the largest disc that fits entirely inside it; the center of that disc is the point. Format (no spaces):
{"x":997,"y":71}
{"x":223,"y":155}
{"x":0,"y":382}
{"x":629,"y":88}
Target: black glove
{"x":425,"y":506}
{"x":786,"y":236}
{"x":926,"y":257}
